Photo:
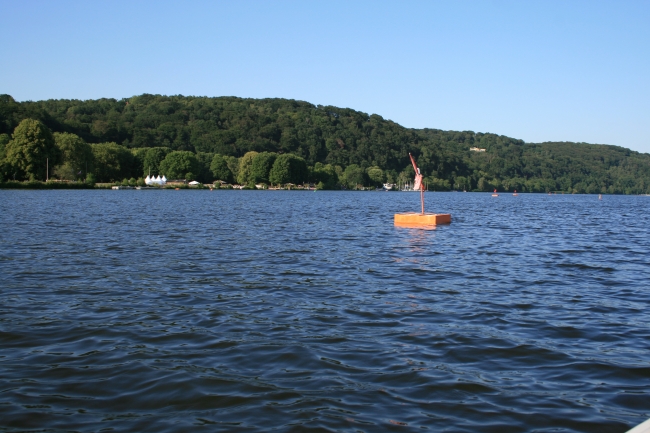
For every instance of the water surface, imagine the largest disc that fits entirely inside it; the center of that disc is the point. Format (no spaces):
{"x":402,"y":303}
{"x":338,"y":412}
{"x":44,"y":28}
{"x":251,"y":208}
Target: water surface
{"x":174,"y":311}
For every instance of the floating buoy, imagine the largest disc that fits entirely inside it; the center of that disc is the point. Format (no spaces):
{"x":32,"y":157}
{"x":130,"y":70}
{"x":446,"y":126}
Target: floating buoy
{"x":417,"y":219}
{"x":413,"y":219}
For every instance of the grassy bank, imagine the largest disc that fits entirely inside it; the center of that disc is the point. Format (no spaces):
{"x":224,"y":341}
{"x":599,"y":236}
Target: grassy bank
{"x":45,"y":185}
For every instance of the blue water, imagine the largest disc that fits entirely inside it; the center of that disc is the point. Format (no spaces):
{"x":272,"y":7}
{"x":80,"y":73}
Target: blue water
{"x":176,"y":311}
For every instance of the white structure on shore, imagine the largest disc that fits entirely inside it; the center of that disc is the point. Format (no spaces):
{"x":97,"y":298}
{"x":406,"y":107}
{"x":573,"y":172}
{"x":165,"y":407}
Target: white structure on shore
{"x":150,"y":180}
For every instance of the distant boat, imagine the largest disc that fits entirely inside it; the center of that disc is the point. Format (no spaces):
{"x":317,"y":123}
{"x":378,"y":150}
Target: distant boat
{"x":515,"y":193}
{"x":494,"y":194}
{"x":408,"y":188}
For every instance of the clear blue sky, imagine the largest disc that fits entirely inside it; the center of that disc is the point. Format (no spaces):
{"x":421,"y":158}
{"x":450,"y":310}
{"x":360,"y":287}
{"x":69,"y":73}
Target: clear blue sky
{"x":535,"y":70}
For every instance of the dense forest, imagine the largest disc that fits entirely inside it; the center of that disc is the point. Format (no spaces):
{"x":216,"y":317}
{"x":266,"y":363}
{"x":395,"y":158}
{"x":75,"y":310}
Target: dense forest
{"x":279,"y":140}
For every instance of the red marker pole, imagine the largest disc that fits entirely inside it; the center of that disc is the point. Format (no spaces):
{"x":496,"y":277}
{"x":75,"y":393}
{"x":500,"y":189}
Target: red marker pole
{"x":422,"y":198}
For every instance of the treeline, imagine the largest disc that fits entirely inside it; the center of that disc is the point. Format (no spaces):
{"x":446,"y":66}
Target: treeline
{"x":129,"y":138}
{"x":35,"y":153}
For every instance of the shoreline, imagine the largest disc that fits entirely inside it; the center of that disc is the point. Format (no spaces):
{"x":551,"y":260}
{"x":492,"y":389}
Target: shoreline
{"x":38,"y":185}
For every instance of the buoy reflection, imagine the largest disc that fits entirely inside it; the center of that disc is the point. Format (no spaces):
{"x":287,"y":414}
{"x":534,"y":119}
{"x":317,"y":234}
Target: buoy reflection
{"x":416,"y":226}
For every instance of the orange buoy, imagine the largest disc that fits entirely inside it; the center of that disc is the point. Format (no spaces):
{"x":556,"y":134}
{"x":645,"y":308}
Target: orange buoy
{"x":413,"y":219}
{"x":417,"y":219}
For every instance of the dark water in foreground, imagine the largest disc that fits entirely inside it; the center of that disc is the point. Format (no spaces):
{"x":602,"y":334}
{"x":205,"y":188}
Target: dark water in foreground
{"x":175,"y":311}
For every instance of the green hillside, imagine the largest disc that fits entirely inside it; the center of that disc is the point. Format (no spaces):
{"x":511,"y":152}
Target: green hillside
{"x":353,"y":147}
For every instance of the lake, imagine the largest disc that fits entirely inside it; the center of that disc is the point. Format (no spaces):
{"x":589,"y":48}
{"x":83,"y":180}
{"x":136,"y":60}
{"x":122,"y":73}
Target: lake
{"x":253,"y":311}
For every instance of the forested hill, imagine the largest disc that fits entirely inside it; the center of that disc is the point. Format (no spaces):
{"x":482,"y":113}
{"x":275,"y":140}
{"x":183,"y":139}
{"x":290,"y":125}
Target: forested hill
{"x":340,"y":137}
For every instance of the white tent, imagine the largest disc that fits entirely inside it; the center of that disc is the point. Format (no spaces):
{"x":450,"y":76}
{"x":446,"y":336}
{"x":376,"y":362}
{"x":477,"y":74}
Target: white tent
{"x":150,"y":180}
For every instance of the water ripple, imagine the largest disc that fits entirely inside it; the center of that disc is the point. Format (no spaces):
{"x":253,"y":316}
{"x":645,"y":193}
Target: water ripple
{"x":289,"y":311}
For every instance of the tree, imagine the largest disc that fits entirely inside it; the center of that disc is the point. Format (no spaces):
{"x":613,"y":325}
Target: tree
{"x":324,"y":176}
{"x":179,"y":163}
{"x":288,"y":168}
{"x":76,"y":156}
{"x":112,"y":162}
{"x":354,"y":176}
{"x":4,"y":139}
{"x":435,"y":184}
{"x":261,"y":167}
{"x":461,"y":183}
{"x":152,"y":159}
{"x":220,"y":170}
{"x":483,"y":185}
{"x":233,"y":165}
{"x":204,"y":160}
{"x":245,"y":163}
{"x":139,"y":154}
{"x":376,"y":175}
{"x":32,"y":150}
